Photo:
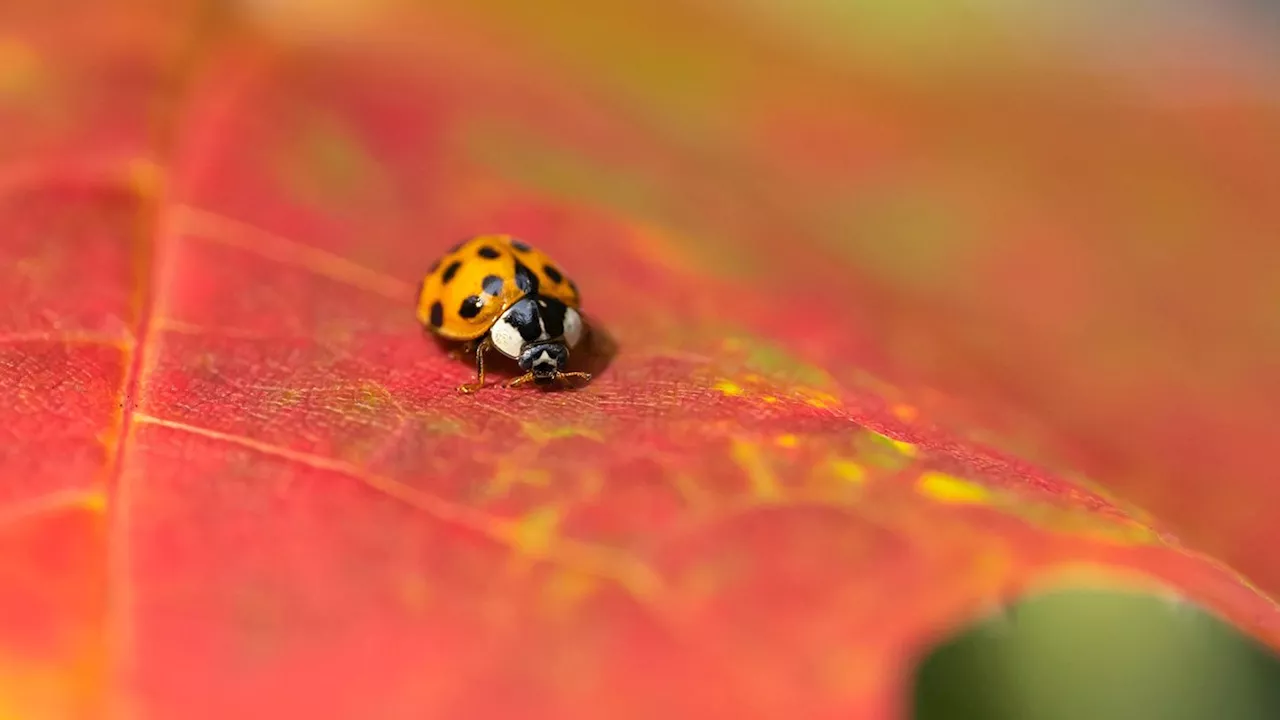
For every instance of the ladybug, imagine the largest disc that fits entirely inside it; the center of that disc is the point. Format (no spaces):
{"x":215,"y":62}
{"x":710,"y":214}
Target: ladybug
{"x":496,"y":291}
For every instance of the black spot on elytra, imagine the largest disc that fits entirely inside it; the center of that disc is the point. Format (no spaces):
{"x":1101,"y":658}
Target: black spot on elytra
{"x":525,"y":279}
{"x":488,"y":253}
{"x":470,"y":307}
{"x":552,"y":273}
{"x":523,"y":316}
{"x":437,"y":314}
{"x":492,"y":285}
{"x":450,"y":271}
{"x":521,"y":245}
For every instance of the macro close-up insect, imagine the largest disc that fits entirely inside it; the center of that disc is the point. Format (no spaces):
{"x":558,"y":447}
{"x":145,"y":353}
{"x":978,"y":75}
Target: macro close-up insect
{"x":496,"y":291}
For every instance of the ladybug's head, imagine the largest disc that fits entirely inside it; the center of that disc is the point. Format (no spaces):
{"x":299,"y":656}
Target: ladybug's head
{"x":544,"y":360}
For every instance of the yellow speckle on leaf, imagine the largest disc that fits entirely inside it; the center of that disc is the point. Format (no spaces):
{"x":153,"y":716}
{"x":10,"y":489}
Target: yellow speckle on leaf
{"x":951,"y":489}
{"x":882,"y":451}
{"x":508,"y":475}
{"x":787,"y":440}
{"x":817,"y":398}
{"x":905,"y":412}
{"x":849,"y":471}
{"x":771,"y":399}
{"x":534,"y":533}
{"x":543,"y":435}
{"x":905,"y":449}
{"x":764,"y":485}
{"x":730,"y":388}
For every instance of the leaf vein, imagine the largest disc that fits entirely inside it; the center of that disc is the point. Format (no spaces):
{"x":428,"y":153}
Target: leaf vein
{"x":212,"y":227}
{"x":606,"y":563}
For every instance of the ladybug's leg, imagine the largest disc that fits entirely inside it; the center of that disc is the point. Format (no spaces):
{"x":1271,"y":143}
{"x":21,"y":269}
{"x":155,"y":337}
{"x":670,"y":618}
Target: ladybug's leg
{"x":479,"y":383}
{"x":516,"y":382}
{"x":564,"y":377}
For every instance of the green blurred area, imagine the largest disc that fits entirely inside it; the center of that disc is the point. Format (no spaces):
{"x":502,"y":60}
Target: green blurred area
{"x":1100,"y":656}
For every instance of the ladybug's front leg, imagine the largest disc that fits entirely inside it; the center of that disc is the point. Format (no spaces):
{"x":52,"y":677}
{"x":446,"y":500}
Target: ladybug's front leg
{"x":479,"y":383}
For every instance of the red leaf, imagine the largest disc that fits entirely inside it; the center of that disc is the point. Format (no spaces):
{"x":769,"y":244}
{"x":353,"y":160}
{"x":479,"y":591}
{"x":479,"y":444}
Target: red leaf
{"x":239,"y":482}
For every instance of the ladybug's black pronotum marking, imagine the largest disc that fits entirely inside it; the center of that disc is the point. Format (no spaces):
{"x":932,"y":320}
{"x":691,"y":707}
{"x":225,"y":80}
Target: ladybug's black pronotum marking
{"x":523,"y":316}
{"x":488,"y":253}
{"x":552,"y":312}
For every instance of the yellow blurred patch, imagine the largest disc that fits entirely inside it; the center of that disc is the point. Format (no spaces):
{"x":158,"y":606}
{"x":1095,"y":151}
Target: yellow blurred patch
{"x":146,"y":177}
{"x":95,"y":502}
{"x":817,"y":398}
{"x":849,"y":471}
{"x":509,"y":474}
{"x":36,"y":691}
{"x":536,"y":531}
{"x":730,"y":388}
{"x":951,"y":489}
{"x":764,"y":486}
{"x":543,"y":435}
{"x":905,"y":448}
{"x":905,"y":413}
{"x":20,"y":69}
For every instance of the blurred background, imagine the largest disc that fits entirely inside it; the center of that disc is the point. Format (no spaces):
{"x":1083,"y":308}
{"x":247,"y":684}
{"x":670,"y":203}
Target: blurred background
{"x":1053,"y":225}
{"x":1103,"y":655}
{"x":1060,"y":220}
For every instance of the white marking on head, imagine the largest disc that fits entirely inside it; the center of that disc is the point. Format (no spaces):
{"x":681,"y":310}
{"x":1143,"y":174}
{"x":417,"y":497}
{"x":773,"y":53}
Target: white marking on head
{"x":544,"y":362}
{"x":572,"y":327}
{"x":506,"y":338}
